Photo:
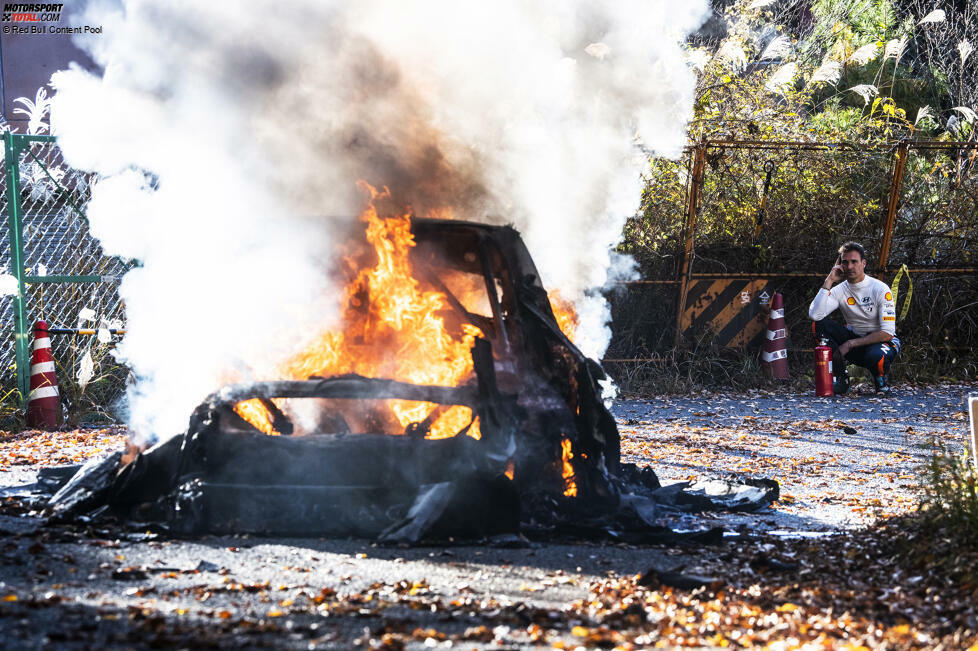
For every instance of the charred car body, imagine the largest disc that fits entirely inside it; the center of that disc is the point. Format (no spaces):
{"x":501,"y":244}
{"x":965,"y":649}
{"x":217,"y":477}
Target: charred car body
{"x":546,"y":456}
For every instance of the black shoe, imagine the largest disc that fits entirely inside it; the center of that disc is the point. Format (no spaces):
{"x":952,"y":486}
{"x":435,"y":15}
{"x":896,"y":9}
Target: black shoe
{"x":841,"y":384}
{"x":882,"y":385}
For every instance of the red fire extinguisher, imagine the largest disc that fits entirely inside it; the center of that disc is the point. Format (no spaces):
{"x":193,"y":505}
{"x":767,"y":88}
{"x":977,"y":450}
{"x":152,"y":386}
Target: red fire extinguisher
{"x":823,"y":369}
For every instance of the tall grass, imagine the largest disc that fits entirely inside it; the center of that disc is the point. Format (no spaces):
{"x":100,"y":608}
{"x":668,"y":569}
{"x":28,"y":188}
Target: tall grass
{"x":94,"y":399}
{"x":949,"y":493}
{"x":11,"y":414}
{"x":708,"y":366}
{"x":939,"y":538}
{"x":705,"y":365}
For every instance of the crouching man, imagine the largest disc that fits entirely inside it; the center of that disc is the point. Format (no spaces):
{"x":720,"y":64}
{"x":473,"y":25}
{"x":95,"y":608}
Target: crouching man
{"x":869,"y":337}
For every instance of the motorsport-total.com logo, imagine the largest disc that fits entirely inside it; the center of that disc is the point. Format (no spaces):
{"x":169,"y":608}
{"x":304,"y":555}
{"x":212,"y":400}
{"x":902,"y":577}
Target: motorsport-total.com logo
{"x":32,"y":18}
{"x":32,"y":12}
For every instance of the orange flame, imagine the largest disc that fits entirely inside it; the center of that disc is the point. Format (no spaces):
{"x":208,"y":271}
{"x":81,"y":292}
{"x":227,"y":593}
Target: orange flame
{"x":392,"y":328}
{"x":564,"y":312}
{"x":510,"y":470}
{"x":570,"y":485}
{"x":257,"y":414}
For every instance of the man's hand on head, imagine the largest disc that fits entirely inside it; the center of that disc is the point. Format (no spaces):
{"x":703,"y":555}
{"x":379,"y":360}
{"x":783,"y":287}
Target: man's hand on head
{"x":835,"y":276}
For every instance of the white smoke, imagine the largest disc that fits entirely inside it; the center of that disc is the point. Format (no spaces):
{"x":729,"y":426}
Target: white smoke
{"x":229,"y":139}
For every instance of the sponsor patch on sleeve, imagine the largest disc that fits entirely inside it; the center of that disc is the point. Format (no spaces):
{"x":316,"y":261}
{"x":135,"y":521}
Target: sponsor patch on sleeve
{"x":889,"y":318}
{"x":888,"y":296}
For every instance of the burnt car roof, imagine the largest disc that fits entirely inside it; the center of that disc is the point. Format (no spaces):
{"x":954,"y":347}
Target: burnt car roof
{"x":537,"y":398}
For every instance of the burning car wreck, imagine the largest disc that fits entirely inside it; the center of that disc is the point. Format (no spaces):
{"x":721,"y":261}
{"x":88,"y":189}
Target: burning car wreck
{"x":514,"y":438}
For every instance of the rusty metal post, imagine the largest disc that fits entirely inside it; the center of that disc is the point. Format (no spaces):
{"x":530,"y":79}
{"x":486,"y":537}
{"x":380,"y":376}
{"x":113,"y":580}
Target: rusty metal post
{"x":896,"y":184}
{"x":695,"y":185}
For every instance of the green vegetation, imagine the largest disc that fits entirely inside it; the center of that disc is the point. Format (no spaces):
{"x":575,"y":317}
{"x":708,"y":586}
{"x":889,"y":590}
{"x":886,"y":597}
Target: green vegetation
{"x":861,"y":76}
{"x":91,"y":382}
{"x":949,"y":499}
{"x":939,"y":539}
{"x":850,"y":70}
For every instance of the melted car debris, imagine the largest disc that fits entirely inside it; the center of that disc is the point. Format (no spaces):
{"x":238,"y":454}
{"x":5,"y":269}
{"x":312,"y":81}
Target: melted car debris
{"x":542,"y":424}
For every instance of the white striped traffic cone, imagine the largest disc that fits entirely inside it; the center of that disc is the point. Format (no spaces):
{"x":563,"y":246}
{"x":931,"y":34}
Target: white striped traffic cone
{"x":774,"y":358}
{"x":43,"y":402}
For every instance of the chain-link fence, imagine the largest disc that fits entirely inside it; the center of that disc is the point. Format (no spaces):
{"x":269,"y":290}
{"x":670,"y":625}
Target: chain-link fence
{"x":59,"y":272}
{"x":721,"y":229}
{"x":733,"y":222}
{"x":937,"y":220}
{"x":809,"y":207}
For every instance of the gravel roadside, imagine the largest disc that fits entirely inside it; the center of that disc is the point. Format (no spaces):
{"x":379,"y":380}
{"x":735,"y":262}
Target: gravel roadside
{"x":841,"y":462}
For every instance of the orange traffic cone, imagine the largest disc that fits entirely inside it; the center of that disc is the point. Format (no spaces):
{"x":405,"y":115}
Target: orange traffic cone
{"x":774,"y":358}
{"x":43,"y":402}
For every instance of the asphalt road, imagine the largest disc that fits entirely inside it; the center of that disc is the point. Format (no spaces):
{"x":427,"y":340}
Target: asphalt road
{"x":841,"y":463}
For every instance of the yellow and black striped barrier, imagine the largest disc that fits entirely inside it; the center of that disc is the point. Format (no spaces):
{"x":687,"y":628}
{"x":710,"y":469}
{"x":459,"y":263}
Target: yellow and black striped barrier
{"x":736,"y":309}
{"x":84,"y":331}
